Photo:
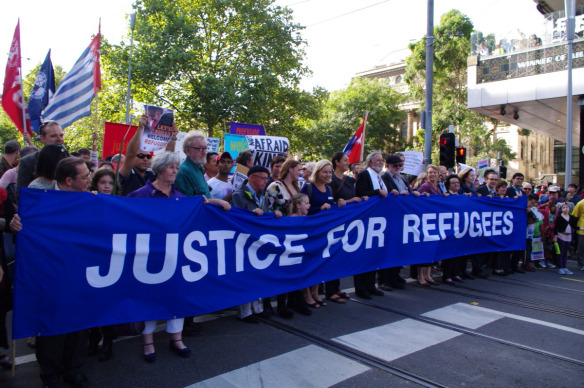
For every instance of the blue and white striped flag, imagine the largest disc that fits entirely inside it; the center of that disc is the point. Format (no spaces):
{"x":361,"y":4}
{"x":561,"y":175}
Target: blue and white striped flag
{"x":72,"y":100}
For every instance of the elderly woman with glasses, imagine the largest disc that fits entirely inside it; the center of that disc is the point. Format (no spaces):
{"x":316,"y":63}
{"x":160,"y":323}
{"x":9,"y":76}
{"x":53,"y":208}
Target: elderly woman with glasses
{"x":165,"y":166}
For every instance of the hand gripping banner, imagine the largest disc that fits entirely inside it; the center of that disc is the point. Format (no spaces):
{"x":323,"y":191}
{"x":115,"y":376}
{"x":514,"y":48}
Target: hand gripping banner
{"x":86,"y":260}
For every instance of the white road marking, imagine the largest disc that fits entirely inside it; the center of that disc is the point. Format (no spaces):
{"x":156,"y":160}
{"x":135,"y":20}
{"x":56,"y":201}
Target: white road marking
{"x":311,"y":366}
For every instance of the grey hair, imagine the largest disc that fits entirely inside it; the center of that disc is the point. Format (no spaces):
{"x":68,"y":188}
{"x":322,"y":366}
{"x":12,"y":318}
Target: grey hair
{"x":190,"y":137}
{"x":164,"y":159}
{"x":370,"y":157}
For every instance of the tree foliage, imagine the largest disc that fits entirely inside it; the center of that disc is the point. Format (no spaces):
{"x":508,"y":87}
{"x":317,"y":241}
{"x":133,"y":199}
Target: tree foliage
{"x":451,"y":49}
{"x":343,"y":113}
{"x":214,"y":61}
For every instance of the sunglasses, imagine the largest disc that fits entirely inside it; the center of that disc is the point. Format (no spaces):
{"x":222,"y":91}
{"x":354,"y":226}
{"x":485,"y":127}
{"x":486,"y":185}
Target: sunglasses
{"x":142,"y":156}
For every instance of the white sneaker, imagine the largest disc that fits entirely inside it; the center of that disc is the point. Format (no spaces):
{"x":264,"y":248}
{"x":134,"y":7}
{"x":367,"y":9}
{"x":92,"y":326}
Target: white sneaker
{"x":582,"y":268}
{"x":540,"y":264}
{"x":561,"y":271}
{"x":550,"y":265}
{"x":568,"y":272}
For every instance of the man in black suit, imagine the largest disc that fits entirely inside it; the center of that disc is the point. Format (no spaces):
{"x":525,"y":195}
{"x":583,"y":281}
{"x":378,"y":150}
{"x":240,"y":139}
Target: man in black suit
{"x":396,"y":184}
{"x":491,"y":179}
{"x":369,"y":183}
{"x":482,"y":260}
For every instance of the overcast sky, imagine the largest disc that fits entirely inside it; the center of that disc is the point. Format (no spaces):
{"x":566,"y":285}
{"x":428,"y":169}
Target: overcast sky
{"x":344,"y":36}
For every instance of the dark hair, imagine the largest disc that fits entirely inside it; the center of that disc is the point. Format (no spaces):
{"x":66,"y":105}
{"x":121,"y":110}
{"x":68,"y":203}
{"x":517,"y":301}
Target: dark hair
{"x":243,"y":157}
{"x":277,"y":159}
{"x":84,"y":151}
{"x":211,"y":154}
{"x":100,"y":173}
{"x":518,"y":174}
{"x":109,"y":158}
{"x":106,"y":164}
{"x":337,"y":156}
{"x":76,"y":154}
{"x":489,"y":171}
{"x":48,"y":159}
{"x":45,"y":125}
{"x":531,"y":197}
{"x":450,"y":178}
{"x":570,"y":185}
{"x":501,"y":183}
{"x":27,"y":150}
{"x":67,"y":168}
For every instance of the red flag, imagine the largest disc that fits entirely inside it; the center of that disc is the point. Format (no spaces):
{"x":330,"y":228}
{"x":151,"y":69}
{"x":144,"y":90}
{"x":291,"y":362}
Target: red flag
{"x":12,"y":96}
{"x":355,"y":144}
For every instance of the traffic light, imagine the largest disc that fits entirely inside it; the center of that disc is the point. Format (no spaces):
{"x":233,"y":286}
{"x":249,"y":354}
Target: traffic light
{"x":503,"y":172}
{"x":447,"y":150}
{"x":460,"y":155}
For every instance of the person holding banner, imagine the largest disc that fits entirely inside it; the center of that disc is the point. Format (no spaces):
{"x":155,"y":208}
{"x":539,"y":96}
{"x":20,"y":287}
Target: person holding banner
{"x":165,"y":165}
{"x":452,"y":268}
{"x":63,"y":355}
{"x":369,"y":184}
{"x":467,"y":178}
{"x":252,"y":196}
{"x":191,"y":177}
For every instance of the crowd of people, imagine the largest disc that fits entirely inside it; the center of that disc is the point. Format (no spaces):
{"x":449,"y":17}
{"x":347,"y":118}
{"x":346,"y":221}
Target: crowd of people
{"x":288,"y":188}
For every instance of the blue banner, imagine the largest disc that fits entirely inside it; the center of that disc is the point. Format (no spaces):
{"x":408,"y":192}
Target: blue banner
{"x":87,"y":260}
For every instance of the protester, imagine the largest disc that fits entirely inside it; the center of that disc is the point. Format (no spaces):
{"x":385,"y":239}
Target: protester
{"x":578,"y":212}
{"x":573,"y":192}
{"x":321,"y":198}
{"x":103,"y":181}
{"x":245,"y":158}
{"x":369,"y":184}
{"x":275,"y":167}
{"x":516,"y":187}
{"x":279,"y":195}
{"x":491,"y":179}
{"x":419,"y":181}
{"x":190,"y":180}
{"x":442,"y":175}
{"x":563,"y":226}
{"x":62,"y":356}
{"x":165,"y":165}
{"x":356,"y":169}
{"x":50,"y":132}
{"x":135,"y":171}
{"x":467,"y":178}
{"x":252,"y":196}
{"x":11,"y":153}
{"x":6,"y":214}
{"x":533,"y":218}
{"x":210,"y":165}
{"x":220,"y":186}
{"x":49,"y":157}
{"x":452,"y":268}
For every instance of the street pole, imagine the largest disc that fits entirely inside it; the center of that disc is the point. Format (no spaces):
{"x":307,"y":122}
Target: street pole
{"x":570,"y":16}
{"x":429,"y":81}
{"x":132,"y":23}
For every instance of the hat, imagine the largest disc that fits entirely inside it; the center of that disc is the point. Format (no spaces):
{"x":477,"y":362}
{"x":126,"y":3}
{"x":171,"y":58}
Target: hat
{"x":392,"y":159}
{"x":554,"y":189}
{"x":11,"y":146}
{"x":224,"y":154}
{"x":256,"y":169}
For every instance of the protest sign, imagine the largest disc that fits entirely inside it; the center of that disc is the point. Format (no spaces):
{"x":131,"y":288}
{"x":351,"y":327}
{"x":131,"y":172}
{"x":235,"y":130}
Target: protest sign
{"x":264,"y":148}
{"x":413,"y":162}
{"x":113,"y":134}
{"x":213,"y":144}
{"x":148,"y":259}
{"x":246,"y":129}
{"x":159,"y":130}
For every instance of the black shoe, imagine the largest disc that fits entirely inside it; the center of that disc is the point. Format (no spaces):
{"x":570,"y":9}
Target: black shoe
{"x":266,"y":314}
{"x":77,"y":380}
{"x":400,"y":280}
{"x":302,"y":309}
{"x":376,"y":292}
{"x":385,"y":287}
{"x":184,"y":352}
{"x":106,"y":351}
{"x":268,"y":307}
{"x":285,"y":313}
{"x":363,"y":296}
{"x":398,"y":286}
{"x":150,"y":357}
{"x":250,"y":319}
{"x":52,"y":382}
{"x":466,"y":275}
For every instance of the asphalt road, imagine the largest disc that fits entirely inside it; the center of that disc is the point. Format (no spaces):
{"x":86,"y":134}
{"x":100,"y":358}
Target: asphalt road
{"x":523,"y":330}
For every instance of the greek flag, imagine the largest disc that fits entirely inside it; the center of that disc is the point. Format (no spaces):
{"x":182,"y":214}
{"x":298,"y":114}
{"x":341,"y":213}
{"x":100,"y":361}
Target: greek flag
{"x":72,"y":100}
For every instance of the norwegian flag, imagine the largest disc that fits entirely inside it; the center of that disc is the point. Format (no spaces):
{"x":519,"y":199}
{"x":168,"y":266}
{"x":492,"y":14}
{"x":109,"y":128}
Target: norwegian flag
{"x":355,"y":144}
{"x":12,"y":95}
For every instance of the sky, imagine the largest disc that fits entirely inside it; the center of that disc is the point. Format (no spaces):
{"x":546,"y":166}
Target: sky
{"x":343,"y":37}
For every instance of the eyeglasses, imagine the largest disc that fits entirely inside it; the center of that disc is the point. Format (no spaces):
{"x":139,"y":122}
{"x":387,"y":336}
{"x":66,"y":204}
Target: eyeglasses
{"x":398,"y":165}
{"x":142,"y":156}
{"x":527,"y":189}
{"x":198,"y":148}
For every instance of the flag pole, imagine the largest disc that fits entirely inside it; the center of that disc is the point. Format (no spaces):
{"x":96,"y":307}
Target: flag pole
{"x":364,"y":130}
{"x":23,"y":107}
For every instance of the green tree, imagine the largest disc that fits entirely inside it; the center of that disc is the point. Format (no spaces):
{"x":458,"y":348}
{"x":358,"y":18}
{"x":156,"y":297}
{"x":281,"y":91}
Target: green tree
{"x":214,"y":61}
{"x":343,"y":113}
{"x":451,"y":49}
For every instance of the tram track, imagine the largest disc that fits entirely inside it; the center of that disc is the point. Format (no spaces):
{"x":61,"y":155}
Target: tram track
{"x":354,"y":354}
{"x":540,"y":286}
{"x":515,"y":301}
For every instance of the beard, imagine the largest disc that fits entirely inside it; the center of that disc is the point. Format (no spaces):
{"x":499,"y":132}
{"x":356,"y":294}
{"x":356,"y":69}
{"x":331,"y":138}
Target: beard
{"x":377,"y":169}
